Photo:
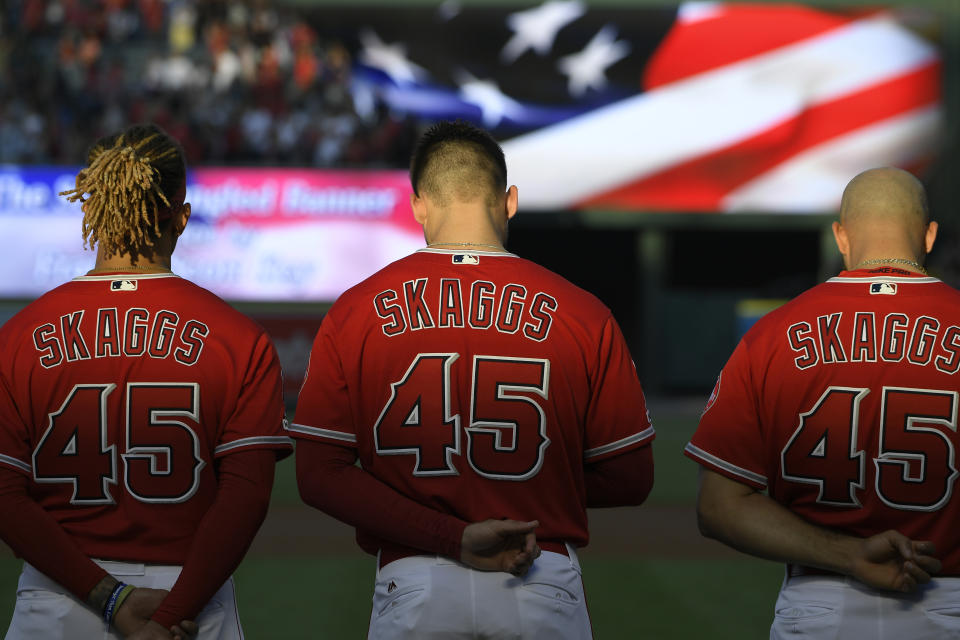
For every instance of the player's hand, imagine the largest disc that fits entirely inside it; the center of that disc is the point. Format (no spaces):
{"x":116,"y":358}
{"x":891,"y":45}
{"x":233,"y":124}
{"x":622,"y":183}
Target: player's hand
{"x":185,"y":630}
{"x":500,"y":545}
{"x":135,"y":611}
{"x":890,"y":560}
{"x":150,"y":631}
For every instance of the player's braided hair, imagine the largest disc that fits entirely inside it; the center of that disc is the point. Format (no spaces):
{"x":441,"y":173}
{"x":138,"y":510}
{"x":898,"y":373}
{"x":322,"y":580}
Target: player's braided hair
{"x":130,"y":180}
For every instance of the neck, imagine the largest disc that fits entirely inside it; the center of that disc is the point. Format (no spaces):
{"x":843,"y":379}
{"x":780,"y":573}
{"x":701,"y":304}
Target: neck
{"x":907,"y":264}
{"x":453,"y":244}
{"x":886,"y":245}
{"x":484,"y":238}
{"x":151,"y":262}
{"x":465,"y":224}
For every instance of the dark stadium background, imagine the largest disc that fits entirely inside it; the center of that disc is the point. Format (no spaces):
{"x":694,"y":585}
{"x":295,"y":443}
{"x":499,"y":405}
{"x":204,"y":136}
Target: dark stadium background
{"x":677,"y":283}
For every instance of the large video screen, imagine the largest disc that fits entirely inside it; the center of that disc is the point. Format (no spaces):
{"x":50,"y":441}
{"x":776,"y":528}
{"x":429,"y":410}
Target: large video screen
{"x":255,"y":234}
{"x":703,"y":107}
{"x":697,"y":107}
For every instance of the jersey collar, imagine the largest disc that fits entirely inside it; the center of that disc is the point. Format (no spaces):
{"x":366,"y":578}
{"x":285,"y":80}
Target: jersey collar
{"x":454,"y":252}
{"x":126,"y":275}
{"x":871,"y":272}
{"x":882,"y":274}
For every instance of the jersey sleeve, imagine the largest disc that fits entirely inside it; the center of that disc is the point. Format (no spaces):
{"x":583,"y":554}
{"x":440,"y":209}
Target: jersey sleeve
{"x":14,"y":435}
{"x":729,"y":439}
{"x":323,"y":408}
{"x":617,"y":417}
{"x":257,"y":421}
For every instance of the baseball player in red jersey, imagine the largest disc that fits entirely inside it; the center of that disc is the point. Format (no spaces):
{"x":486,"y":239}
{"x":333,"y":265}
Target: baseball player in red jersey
{"x":140,"y":419}
{"x":485,"y":397}
{"x":842,"y":404}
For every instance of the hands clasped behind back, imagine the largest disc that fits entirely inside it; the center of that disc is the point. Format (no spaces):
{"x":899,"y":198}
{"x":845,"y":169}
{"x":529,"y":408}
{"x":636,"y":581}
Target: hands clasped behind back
{"x":500,"y":545}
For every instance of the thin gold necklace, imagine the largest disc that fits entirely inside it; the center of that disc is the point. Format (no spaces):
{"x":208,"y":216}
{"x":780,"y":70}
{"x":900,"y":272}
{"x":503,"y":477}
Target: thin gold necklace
{"x":467,"y":244}
{"x":912,"y":263}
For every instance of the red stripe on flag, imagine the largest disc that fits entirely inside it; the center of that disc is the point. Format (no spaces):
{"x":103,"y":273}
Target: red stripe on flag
{"x":701,"y":184}
{"x":736,"y":33}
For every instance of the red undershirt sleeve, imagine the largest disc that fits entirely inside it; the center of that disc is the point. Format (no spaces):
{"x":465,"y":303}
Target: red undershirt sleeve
{"x":620,"y":481}
{"x":36,"y":537}
{"x":325,"y":470}
{"x":245,"y":479}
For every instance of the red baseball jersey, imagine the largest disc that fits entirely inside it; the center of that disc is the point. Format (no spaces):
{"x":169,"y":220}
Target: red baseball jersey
{"x":843,"y":404}
{"x":117,"y":395}
{"x":478,"y":384}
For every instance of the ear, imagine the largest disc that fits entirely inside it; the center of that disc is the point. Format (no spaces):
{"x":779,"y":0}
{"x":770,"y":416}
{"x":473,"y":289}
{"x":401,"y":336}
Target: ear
{"x":419,"y":208}
{"x":931,"y":236}
{"x":843,"y":242}
{"x":181,"y":217}
{"x":511,"y":201}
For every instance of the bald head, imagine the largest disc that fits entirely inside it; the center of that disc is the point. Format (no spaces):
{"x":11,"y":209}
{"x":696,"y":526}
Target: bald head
{"x":886,"y":194}
{"x":884,"y":213}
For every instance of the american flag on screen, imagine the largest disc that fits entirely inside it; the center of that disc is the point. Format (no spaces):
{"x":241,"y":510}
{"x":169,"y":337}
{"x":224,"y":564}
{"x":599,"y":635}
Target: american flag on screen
{"x":705,"y":107}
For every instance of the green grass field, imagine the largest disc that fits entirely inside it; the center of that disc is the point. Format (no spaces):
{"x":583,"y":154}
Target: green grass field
{"x":673,"y":594}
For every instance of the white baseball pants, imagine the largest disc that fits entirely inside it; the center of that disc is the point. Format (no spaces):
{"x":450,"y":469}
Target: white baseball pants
{"x":432,"y":597}
{"x":46,"y":611}
{"x":838,"y":608}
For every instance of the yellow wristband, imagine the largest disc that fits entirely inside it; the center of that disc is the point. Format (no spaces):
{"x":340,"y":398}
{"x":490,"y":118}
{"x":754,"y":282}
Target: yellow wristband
{"x":126,"y":591}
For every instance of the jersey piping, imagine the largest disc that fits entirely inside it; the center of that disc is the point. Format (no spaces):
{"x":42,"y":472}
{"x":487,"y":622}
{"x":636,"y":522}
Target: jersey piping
{"x":250,"y":442}
{"x":121,"y":275}
{"x":898,"y":279}
{"x":454,"y":252}
{"x":323,"y":433}
{"x":15,"y":462}
{"x":619,"y":444}
{"x":697,"y":452}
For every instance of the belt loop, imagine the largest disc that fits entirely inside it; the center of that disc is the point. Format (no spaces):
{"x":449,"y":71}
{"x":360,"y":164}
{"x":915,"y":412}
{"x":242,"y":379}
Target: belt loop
{"x":376,"y":576}
{"x":572,"y":554}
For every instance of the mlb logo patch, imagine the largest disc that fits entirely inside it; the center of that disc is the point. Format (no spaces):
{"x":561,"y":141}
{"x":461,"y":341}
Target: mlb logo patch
{"x":466,"y":258}
{"x":123,"y":285}
{"x":883,"y":288}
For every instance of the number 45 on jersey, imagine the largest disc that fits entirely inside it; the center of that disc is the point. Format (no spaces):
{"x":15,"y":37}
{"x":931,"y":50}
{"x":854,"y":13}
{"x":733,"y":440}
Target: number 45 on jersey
{"x":161,"y":450}
{"x":506,"y":436}
{"x":915,"y":467}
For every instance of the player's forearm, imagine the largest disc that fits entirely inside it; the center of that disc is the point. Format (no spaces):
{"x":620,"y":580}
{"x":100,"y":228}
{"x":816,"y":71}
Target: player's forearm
{"x":245,"y":480}
{"x":40,"y":540}
{"x":754,"y":523}
{"x":621,"y":481}
{"x":323,"y":471}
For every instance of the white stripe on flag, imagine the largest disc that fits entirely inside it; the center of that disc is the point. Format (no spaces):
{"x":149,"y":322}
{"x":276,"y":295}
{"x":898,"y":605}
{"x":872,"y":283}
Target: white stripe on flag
{"x":690,"y":12}
{"x":814,"y":180}
{"x":564,"y":164}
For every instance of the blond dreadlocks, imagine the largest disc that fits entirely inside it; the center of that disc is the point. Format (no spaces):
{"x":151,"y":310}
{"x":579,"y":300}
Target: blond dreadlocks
{"x":130,"y":178}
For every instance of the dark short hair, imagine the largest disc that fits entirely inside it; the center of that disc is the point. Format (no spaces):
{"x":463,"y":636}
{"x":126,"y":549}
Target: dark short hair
{"x":460,"y":134}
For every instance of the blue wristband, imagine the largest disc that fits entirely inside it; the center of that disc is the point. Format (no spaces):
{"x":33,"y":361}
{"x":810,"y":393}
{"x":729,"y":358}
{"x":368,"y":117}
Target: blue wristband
{"x":112,"y":602}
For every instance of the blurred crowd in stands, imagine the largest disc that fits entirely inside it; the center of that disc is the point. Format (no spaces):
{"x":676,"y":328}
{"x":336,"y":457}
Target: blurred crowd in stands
{"x":237,"y":81}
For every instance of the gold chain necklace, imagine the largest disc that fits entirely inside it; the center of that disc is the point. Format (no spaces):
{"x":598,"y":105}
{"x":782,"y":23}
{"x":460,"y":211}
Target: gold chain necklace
{"x":912,"y":263}
{"x":467,"y":244}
